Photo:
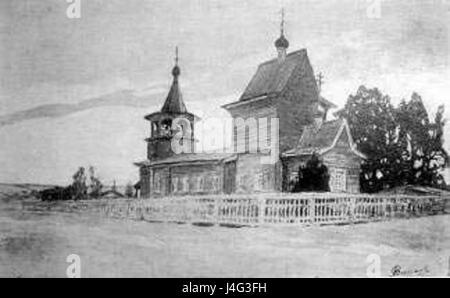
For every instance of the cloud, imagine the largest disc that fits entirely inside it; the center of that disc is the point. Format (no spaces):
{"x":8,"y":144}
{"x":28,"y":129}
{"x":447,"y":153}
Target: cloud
{"x":129,"y":98}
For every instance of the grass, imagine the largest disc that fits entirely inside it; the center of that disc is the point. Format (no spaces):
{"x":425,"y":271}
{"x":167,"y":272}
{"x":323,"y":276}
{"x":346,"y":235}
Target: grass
{"x":36,"y":244}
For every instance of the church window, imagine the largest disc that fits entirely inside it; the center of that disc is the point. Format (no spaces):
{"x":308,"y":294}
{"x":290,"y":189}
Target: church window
{"x":235,"y":138}
{"x":202,"y":183}
{"x":157,"y":182}
{"x":180,"y":184}
{"x":338,"y":180}
{"x":244,"y":182}
{"x":260,"y":180}
{"x":215,"y":183}
{"x":185,"y":184}
{"x":247,"y":139}
{"x":194,"y":184}
{"x":207,"y":183}
{"x":267,"y":177}
{"x":175,"y":184}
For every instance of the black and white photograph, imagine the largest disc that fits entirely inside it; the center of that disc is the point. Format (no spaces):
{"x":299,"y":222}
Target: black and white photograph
{"x":239,"y":139}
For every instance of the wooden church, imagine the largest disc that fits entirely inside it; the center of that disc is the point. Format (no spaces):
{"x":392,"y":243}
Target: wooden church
{"x":283,"y":88}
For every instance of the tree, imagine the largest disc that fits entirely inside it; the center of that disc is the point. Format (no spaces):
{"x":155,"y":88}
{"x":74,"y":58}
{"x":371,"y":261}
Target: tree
{"x":402,"y":145}
{"x":371,"y":117}
{"x":95,"y":187}
{"x":129,"y":190}
{"x":424,"y":157}
{"x":313,"y":176}
{"x":79,"y":187}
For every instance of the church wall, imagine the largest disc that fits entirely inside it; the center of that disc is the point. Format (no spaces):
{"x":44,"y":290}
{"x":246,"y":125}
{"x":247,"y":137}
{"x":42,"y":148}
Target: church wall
{"x":253,"y":176}
{"x":297,"y":105}
{"x":159,"y":182}
{"x":181,"y":180}
{"x":197,"y":179}
{"x":256,"y":111}
{"x":159,"y":148}
{"x":145,"y":179}
{"x":344,"y":168}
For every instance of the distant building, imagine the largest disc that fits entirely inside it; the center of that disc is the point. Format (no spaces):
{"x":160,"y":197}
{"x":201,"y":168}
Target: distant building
{"x":112,"y":193}
{"x":283,"y":88}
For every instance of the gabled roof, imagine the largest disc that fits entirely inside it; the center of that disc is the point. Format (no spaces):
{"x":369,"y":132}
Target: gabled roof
{"x":323,"y":138}
{"x":273,"y":75}
{"x":320,"y":137}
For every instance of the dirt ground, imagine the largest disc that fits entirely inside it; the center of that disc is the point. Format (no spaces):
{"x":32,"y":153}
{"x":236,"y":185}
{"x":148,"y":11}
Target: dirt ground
{"x":36,"y":244}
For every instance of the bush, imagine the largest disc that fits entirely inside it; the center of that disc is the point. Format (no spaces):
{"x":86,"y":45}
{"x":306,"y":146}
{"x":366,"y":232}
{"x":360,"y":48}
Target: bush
{"x":313,"y":176}
{"x":78,"y":190}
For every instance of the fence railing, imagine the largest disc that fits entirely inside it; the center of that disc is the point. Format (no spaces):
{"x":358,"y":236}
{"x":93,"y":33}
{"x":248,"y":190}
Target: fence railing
{"x":252,"y":210}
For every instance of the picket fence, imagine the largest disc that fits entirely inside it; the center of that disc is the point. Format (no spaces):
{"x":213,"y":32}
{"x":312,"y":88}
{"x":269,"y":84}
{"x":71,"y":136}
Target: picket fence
{"x":252,"y":210}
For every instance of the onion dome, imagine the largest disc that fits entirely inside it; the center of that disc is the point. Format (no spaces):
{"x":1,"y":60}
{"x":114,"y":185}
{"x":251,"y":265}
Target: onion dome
{"x":282,"y":42}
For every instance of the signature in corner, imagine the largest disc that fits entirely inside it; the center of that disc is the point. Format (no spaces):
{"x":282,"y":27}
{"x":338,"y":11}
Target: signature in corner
{"x":397,"y":271}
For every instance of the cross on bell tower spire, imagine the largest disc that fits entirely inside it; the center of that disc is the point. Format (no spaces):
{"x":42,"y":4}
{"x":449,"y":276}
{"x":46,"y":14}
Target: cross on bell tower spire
{"x":176,"y":69}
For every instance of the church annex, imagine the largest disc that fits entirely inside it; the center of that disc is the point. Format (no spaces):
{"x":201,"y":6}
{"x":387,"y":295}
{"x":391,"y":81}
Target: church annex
{"x":282,"y":88}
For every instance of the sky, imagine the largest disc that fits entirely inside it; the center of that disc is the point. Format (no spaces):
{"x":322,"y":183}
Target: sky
{"x":73,"y":92}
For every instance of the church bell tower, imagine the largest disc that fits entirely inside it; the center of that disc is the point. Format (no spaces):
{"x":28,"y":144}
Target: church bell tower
{"x":172,"y":128}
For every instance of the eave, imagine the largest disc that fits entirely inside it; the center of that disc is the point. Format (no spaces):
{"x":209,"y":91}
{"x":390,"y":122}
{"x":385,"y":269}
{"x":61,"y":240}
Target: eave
{"x":246,"y":101}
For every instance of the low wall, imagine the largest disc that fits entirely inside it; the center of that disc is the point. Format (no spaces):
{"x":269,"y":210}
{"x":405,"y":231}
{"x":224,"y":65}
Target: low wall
{"x":275,"y":209}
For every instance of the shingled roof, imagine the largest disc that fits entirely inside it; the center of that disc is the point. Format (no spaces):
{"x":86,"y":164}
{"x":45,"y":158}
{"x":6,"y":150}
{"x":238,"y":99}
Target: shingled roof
{"x":273,"y":75}
{"x":321,"y":139}
{"x":174,"y":102}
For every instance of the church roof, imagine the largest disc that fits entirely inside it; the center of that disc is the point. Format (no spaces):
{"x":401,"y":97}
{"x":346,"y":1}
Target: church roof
{"x":174,"y":102}
{"x":321,"y":139}
{"x":190,"y":158}
{"x":273,"y":75}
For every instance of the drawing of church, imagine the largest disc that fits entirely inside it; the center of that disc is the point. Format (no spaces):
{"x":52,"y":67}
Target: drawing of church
{"x":283,"y":88}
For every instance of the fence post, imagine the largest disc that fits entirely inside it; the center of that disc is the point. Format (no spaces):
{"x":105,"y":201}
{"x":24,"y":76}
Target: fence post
{"x":352,"y":209}
{"x":385,"y":208}
{"x":216,"y":213}
{"x":312,"y":210}
{"x":261,"y":210}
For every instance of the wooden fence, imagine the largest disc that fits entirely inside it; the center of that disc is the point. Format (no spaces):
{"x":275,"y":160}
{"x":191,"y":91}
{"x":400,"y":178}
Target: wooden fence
{"x":251,"y":210}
